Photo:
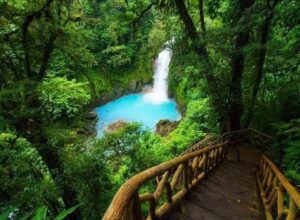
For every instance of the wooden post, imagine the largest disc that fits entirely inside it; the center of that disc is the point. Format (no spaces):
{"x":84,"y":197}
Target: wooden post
{"x":186,"y":176}
{"x":152,"y":206}
{"x":280,"y":211}
{"x":292,"y":210}
{"x":134,"y":211}
{"x":169,"y":192}
{"x":205,"y":162}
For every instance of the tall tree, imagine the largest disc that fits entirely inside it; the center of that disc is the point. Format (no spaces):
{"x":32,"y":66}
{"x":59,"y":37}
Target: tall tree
{"x":42,"y":23}
{"x":235,"y":102}
{"x":231,"y":117}
{"x":259,"y":67}
{"x":198,"y":42}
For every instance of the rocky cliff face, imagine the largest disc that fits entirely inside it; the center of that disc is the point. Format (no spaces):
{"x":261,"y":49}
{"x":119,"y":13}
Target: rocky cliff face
{"x":134,"y":86}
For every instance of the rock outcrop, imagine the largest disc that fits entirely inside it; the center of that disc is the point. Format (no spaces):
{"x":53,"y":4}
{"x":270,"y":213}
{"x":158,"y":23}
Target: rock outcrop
{"x":115,"y":126}
{"x":164,"y":127}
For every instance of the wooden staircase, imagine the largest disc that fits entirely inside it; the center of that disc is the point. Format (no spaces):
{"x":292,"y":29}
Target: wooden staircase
{"x":229,"y":192}
{"x":216,"y":178}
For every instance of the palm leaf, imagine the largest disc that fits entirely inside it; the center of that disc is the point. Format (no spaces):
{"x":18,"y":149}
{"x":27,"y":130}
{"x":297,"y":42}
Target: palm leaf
{"x":63,"y":214}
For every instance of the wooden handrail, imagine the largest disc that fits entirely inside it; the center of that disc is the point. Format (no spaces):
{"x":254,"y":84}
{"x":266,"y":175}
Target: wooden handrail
{"x":209,"y":141}
{"x":190,"y":169}
{"x":175,"y":177}
{"x":261,"y":133}
{"x":274,"y":187}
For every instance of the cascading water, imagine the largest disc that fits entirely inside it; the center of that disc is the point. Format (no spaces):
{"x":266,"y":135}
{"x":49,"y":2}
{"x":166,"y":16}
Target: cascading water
{"x":145,"y":108}
{"x":159,"y":92}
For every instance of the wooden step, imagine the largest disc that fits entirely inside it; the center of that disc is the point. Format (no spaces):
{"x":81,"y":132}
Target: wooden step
{"x":229,"y":192}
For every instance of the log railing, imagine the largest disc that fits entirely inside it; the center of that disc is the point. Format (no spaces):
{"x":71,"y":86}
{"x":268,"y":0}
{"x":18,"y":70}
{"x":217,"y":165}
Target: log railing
{"x":207,"y":141}
{"x":174,"y":179}
{"x":250,"y":135}
{"x":280,"y":199}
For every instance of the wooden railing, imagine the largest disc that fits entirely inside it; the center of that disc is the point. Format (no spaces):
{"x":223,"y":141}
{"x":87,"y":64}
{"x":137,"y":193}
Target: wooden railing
{"x":280,"y":199}
{"x":208,"y":140}
{"x":171,"y":181}
{"x":168,"y":183}
{"x":251,"y":135}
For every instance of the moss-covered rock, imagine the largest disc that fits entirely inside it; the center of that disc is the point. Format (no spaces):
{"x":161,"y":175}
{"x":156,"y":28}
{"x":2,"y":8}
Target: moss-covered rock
{"x":164,"y":127}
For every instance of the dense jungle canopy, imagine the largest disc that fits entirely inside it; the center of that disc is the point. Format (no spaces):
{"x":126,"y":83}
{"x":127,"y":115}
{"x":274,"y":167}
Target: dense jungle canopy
{"x":235,"y":65}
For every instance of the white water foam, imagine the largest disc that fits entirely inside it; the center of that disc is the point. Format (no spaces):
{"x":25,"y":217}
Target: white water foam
{"x":159,"y":91}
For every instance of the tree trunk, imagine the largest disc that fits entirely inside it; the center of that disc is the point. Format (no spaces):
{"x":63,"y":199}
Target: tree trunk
{"x":190,"y":28}
{"x":235,"y":104}
{"x":260,"y":62}
{"x":55,"y":165}
{"x":46,"y":55}
{"x":201,"y":16}
{"x":28,"y":20}
{"x":199,"y":46}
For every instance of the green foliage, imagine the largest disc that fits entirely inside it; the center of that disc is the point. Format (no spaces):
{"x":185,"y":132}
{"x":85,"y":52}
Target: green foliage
{"x":157,"y":37}
{"x":65,"y":213}
{"x":286,"y":149}
{"x":61,"y":97}
{"x":40,"y":214}
{"x":24,"y":179}
{"x":117,"y":56}
{"x":130,"y":149}
{"x":6,"y":213}
{"x":86,"y":171}
{"x":197,"y":122}
{"x":108,"y":46}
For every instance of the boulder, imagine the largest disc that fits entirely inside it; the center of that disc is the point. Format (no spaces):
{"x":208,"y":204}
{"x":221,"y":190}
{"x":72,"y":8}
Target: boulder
{"x":92,"y":116}
{"x":164,"y":127}
{"x":115,"y":126}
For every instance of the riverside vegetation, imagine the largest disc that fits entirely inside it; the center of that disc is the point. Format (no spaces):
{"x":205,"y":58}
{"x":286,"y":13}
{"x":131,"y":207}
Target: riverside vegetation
{"x":235,"y":65}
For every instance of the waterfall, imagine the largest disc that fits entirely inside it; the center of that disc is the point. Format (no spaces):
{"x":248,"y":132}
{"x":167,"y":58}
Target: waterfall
{"x":146,"y":108}
{"x":159,"y":91}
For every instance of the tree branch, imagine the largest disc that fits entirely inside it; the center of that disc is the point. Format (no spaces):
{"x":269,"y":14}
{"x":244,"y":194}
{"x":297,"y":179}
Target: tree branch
{"x":28,"y":20}
{"x":47,"y":52}
{"x":137,"y":20}
{"x":201,"y":16}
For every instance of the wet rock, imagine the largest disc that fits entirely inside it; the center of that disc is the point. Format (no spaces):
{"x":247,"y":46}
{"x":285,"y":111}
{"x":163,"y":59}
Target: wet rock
{"x":133,"y":85}
{"x":91,"y":130}
{"x":115,"y":126}
{"x":147,"y":89}
{"x":90,"y":126}
{"x":92,"y":116}
{"x":164,"y":127}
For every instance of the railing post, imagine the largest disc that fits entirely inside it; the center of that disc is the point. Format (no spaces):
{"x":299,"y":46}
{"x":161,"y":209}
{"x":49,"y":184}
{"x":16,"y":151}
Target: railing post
{"x":152,"y":206}
{"x":169,"y":192}
{"x":292,"y":210}
{"x":280,"y":210}
{"x":134,"y":211}
{"x":205,"y":162}
{"x":186,"y":175}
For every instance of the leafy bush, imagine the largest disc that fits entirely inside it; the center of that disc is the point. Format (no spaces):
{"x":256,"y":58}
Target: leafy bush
{"x":40,"y":214}
{"x":286,"y":151}
{"x":61,"y":97}
{"x":118,"y":56}
{"x":198,"y":121}
{"x":24,"y":179}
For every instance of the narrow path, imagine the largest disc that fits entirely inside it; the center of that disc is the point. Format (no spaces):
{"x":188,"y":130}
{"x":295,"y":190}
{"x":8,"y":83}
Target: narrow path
{"x":228,"y":192}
